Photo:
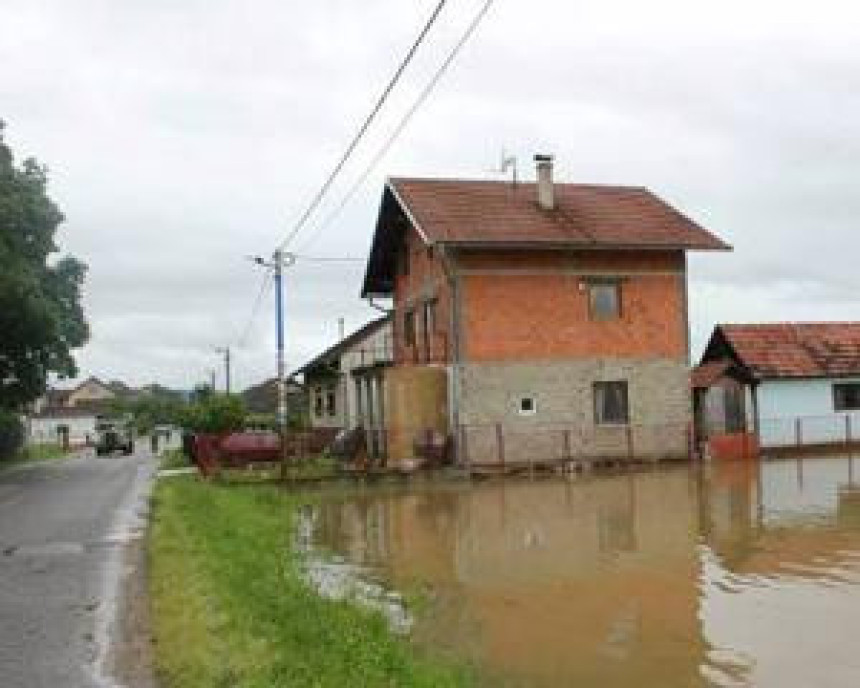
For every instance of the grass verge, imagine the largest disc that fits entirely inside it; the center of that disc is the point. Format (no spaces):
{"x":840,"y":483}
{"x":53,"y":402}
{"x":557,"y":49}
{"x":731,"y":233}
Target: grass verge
{"x":33,"y":453}
{"x":173,"y":458}
{"x":230,"y":609}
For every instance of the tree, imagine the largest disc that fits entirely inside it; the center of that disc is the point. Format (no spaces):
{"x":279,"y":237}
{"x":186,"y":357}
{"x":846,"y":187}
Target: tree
{"x":217,"y":413}
{"x":41,"y":317}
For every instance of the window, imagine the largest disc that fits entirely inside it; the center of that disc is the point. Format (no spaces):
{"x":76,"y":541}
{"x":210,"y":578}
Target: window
{"x":610,"y":403}
{"x":409,"y":328}
{"x":604,"y":300}
{"x":527,"y":406}
{"x":430,"y":316}
{"x":846,"y":396}
{"x":331,"y":402}
{"x":318,"y":402}
{"x":428,"y":327}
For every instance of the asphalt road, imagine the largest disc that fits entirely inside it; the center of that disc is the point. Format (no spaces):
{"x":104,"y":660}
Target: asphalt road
{"x":64,"y":528}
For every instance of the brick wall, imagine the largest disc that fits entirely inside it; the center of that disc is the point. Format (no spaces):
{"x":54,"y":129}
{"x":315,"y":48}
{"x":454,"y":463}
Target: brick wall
{"x":425,"y":280}
{"x":521,"y":306}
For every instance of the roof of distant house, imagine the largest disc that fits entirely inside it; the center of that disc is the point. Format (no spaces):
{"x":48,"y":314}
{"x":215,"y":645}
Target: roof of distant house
{"x":333,"y":353}
{"x":66,"y":412}
{"x":502,"y":214}
{"x":790,"y":350}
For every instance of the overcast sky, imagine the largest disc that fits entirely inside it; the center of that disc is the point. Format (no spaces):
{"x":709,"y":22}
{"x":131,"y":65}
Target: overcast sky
{"x":183,"y":136}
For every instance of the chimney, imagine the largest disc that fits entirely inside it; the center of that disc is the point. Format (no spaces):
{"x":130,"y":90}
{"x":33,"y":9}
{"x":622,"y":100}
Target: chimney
{"x":545,"y":193}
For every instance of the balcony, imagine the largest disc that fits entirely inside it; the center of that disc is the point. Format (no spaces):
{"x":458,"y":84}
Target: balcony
{"x":426,"y":348}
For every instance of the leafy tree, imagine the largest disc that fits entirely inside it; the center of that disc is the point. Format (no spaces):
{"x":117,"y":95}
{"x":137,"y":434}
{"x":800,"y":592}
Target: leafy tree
{"x":217,"y":413}
{"x":11,"y":434}
{"x":41,"y":317}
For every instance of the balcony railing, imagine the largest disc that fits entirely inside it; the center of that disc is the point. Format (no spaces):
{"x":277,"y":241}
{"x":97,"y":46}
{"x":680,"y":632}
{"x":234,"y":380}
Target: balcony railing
{"x":430,"y":348}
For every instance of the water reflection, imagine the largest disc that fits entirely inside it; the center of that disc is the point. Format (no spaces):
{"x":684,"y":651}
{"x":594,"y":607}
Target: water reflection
{"x":733,"y":575}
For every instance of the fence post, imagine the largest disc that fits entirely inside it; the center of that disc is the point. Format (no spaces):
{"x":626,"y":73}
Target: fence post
{"x":567,"y":455}
{"x":629,"y":433}
{"x":847,"y":428}
{"x":798,"y":432}
{"x":500,"y":444}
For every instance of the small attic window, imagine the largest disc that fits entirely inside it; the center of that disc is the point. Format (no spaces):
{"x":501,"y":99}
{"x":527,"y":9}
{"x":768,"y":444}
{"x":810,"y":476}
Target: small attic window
{"x":527,"y":406}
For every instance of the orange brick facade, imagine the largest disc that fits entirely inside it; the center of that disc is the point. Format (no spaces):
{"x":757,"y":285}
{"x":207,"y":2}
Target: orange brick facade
{"x":536,"y":306}
{"x":533,"y":305}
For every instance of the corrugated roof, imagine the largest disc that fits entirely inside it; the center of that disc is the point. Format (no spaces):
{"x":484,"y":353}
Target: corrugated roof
{"x":585,"y":214}
{"x":794,"y":350}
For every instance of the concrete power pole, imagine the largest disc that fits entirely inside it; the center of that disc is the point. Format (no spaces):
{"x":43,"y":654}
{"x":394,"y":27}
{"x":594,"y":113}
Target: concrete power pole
{"x":226,"y":351}
{"x":280,"y":259}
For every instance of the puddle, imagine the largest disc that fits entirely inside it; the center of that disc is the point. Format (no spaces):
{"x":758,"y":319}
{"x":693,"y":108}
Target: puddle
{"x":335,"y":578}
{"x":731,"y":575}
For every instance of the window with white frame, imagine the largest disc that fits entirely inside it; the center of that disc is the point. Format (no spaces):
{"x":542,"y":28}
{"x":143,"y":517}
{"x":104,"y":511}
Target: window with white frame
{"x":527,"y":406}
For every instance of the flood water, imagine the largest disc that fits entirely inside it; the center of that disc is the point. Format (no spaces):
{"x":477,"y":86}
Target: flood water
{"x":729,"y":575}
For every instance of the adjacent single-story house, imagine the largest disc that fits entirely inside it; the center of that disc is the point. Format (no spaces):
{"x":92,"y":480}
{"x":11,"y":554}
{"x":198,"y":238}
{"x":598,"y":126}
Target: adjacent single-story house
{"x":69,"y":415}
{"x":59,"y":425}
{"x":535,"y":321}
{"x":789,"y":383}
{"x":345,"y":382}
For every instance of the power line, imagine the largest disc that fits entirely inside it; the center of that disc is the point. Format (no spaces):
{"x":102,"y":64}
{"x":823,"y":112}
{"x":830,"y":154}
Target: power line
{"x":264,"y":285}
{"x":402,"y":125}
{"x":328,"y":259}
{"x":376,"y":108}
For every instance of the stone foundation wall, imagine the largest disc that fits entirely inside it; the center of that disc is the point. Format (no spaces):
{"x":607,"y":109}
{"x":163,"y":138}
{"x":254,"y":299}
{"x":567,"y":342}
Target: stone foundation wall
{"x":563,"y":424}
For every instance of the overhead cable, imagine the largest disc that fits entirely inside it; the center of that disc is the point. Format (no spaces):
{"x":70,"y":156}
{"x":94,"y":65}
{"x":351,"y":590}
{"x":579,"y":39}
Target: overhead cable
{"x":402,"y":124}
{"x":367,"y":122}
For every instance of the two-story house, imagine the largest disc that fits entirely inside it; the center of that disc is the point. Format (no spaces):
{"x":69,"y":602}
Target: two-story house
{"x":535,"y":320}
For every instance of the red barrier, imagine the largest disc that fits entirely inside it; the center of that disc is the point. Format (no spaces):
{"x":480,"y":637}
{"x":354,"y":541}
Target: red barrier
{"x":239,"y":449}
{"x":735,"y":446}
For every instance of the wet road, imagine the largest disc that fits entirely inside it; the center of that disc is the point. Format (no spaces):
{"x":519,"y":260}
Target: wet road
{"x":63,"y":529}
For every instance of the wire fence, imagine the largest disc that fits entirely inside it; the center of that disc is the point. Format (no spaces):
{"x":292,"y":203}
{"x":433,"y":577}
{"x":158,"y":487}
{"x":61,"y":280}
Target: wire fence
{"x":804,"y":431}
{"x":528,"y":444}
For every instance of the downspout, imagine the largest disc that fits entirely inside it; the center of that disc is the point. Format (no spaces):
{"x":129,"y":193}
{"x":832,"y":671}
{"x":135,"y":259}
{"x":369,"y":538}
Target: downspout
{"x":450,"y":268}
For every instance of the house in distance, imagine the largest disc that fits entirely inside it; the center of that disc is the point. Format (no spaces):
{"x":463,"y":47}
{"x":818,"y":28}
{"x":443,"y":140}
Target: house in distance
{"x":535,"y":320}
{"x":787,"y":384}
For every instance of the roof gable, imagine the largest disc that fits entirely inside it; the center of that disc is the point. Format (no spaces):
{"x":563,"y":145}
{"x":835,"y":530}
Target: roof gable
{"x":334,"y":352}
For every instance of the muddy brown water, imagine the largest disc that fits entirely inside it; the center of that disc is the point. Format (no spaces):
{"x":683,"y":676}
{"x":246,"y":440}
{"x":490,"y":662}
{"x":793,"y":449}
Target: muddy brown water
{"x":728,"y":575}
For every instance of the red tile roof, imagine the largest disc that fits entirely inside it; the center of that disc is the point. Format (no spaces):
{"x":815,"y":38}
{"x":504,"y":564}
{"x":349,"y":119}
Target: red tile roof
{"x":706,"y":374}
{"x":790,"y":350}
{"x":587,"y":215}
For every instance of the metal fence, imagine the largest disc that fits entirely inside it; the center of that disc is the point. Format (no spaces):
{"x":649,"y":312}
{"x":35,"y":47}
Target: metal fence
{"x":804,"y":431}
{"x":529,"y":444}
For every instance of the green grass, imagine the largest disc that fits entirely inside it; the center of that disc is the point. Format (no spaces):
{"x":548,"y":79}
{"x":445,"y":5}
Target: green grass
{"x":230,"y":609}
{"x":33,"y":453}
{"x":173,"y":458}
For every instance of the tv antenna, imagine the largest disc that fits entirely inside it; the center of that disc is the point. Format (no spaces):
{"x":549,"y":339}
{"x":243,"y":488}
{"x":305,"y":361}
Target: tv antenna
{"x":508,"y":162}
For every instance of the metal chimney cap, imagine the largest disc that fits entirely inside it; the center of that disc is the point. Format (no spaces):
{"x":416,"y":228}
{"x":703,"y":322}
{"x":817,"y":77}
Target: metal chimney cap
{"x":543,"y":157}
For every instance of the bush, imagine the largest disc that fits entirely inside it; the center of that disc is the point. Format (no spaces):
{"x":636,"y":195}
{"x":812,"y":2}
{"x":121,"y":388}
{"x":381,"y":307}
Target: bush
{"x":217,"y":413}
{"x":11,"y":434}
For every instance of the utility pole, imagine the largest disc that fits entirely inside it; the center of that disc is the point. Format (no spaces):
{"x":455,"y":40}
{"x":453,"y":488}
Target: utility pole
{"x":279,"y":260}
{"x":226,"y":351}
{"x":212,"y":379}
